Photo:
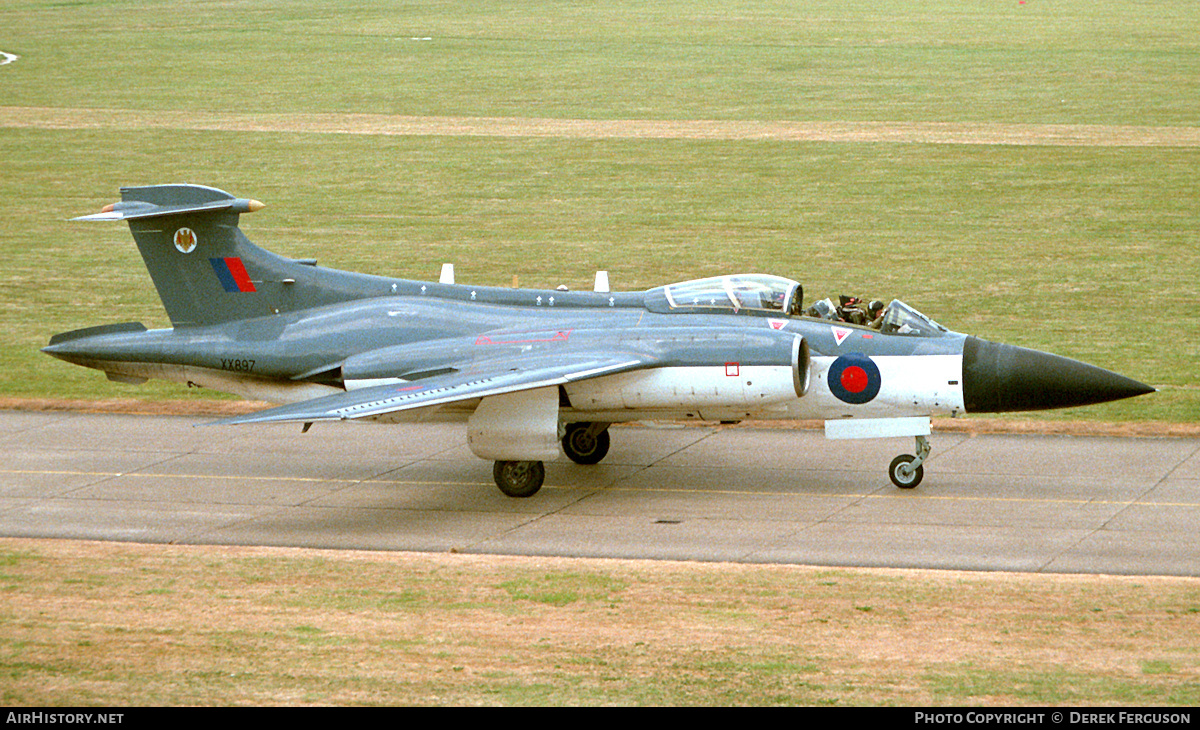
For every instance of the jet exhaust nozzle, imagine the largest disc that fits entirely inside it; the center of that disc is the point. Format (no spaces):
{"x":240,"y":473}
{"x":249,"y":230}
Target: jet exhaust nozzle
{"x":1000,"y":378}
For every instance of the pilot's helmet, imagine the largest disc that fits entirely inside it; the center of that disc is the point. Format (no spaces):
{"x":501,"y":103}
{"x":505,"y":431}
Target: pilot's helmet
{"x":822,"y":309}
{"x":875,"y":307}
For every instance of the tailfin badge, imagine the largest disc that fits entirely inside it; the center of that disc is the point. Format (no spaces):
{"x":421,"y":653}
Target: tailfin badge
{"x":185,"y":240}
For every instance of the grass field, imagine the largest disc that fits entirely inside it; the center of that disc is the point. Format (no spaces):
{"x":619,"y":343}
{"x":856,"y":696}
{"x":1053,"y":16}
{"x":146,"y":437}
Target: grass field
{"x":114,"y":624}
{"x":1086,"y":249}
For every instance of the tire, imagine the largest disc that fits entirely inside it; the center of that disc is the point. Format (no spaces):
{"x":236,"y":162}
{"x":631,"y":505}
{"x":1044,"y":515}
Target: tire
{"x":519,"y":478}
{"x":582,"y":449}
{"x":901,"y":476}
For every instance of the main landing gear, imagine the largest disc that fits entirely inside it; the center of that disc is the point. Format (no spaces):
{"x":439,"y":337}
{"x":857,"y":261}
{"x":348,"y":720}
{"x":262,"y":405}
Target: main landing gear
{"x":906,"y":470}
{"x":519,"y":478}
{"x":586,"y":443}
{"x":583,"y":443}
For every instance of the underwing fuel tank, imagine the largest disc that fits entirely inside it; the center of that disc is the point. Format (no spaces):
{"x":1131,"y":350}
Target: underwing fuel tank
{"x":1000,"y":378}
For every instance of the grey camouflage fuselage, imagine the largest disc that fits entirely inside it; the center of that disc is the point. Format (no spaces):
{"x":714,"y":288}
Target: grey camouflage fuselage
{"x":523,"y":365}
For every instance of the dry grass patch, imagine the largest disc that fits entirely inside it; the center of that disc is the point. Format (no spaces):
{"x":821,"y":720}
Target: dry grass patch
{"x":1075,"y":135}
{"x":108,"y":623}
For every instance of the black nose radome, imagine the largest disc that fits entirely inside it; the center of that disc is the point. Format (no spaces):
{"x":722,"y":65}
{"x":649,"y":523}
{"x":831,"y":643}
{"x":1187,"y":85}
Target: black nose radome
{"x":999,"y":378}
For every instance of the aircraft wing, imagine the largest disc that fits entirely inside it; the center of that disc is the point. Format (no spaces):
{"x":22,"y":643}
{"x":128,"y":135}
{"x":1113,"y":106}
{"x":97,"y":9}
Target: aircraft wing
{"x":480,"y":380}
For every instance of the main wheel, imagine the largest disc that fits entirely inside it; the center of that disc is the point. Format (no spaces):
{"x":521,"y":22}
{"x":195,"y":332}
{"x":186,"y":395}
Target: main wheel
{"x":903,"y":475}
{"x":519,"y":478}
{"x":582,"y":448}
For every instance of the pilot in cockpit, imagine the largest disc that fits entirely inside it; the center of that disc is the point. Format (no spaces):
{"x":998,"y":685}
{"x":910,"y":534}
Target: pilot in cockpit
{"x":875,"y":312}
{"x":851,"y":310}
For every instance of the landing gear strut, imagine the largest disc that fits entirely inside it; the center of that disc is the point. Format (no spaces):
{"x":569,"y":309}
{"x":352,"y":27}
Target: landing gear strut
{"x":906,"y":470}
{"x":519,"y":478}
{"x":586,"y":443}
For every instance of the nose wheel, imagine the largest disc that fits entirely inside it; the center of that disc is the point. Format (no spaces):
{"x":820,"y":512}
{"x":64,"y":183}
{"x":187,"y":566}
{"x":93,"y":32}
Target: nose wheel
{"x":906,"y":470}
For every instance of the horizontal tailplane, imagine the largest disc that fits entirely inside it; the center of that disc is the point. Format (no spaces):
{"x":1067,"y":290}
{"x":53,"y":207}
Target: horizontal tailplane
{"x":104,"y":329}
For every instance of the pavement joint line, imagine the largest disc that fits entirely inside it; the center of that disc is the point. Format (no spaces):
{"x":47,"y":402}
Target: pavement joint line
{"x":857,"y":496}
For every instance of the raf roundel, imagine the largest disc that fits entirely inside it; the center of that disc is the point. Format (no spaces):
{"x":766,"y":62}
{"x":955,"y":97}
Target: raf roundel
{"x":185,"y":240}
{"x":854,"y":378}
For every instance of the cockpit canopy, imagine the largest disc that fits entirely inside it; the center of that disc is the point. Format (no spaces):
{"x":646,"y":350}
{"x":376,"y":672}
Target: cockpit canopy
{"x":752,"y":293}
{"x":902,"y":319}
{"x":764,"y":294}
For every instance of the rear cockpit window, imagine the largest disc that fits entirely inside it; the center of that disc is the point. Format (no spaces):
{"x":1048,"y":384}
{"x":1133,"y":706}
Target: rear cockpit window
{"x":754,"y":292}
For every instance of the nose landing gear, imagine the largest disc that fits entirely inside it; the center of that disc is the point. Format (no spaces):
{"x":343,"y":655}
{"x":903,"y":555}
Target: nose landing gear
{"x":906,"y":470}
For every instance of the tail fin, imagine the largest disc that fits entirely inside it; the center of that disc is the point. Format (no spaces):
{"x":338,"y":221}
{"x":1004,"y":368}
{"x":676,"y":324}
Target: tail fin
{"x":207,"y":271}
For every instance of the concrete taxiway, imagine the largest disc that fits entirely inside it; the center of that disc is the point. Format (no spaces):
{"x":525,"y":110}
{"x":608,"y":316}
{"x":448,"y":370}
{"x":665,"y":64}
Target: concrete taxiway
{"x":988,"y":502}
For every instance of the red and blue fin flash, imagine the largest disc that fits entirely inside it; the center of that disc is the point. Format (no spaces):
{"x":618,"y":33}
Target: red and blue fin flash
{"x":232,"y":274}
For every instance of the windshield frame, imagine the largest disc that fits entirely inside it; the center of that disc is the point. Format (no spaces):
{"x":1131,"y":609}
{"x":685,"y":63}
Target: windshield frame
{"x":905,"y":321}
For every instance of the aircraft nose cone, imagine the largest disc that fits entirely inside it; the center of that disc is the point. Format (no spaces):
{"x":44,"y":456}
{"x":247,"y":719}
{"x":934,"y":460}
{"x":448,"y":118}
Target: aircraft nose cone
{"x":999,"y":378}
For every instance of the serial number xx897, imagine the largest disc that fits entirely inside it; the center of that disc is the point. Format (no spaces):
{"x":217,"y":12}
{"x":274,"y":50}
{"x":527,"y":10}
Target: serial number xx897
{"x":236,"y":365}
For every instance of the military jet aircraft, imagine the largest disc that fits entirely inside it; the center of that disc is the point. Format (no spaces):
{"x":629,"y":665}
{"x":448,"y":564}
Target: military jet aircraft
{"x":536,"y":373}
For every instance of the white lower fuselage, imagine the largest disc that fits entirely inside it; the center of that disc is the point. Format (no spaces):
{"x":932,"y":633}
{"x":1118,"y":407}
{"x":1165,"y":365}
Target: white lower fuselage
{"x":910,"y":386}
